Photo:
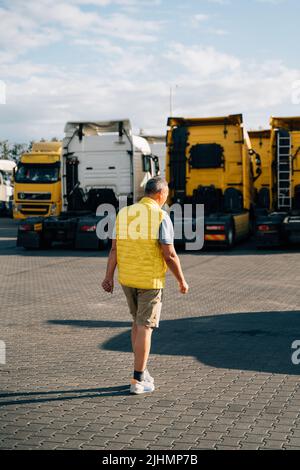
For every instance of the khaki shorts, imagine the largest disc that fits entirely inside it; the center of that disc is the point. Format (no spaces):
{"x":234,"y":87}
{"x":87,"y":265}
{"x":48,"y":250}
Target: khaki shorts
{"x":144,"y":305}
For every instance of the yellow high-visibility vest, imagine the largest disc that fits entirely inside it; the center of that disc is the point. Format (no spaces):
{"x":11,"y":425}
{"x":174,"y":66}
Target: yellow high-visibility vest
{"x":139,"y":257}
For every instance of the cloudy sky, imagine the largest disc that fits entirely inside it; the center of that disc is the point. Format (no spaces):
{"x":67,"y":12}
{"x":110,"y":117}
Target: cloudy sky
{"x":110,"y":59}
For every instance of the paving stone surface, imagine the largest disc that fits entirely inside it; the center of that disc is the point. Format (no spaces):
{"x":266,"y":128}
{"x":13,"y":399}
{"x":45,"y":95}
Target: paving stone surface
{"x":221,"y":358}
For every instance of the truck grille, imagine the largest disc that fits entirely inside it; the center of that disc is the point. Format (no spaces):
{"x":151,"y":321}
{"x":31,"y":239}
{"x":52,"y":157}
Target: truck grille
{"x":34,"y":209}
{"x":34,"y":196}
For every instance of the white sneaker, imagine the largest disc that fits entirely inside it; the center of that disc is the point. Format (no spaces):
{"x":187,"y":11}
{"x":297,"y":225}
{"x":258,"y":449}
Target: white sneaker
{"x":141,"y":387}
{"x":147,"y":376}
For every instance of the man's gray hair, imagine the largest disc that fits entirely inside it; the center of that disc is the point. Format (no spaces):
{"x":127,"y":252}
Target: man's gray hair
{"x":155,"y":185}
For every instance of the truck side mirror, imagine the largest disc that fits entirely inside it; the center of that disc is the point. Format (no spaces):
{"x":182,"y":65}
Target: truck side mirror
{"x":146,"y":163}
{"x":156,"y":164}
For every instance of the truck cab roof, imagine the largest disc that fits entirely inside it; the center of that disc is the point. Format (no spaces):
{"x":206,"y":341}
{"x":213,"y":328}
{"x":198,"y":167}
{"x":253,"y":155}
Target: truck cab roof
{"x":98,"y":127}
{"x":290,"y":123}
{"x":101,"y":128}
{"x":234,"y":119}
{"x":7,"y":165}
{"x":43,"y":152}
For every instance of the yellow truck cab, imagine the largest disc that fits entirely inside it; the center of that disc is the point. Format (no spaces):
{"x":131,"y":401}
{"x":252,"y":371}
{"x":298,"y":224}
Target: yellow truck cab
{"x":209,"y":162}
{"x":37,"y":182}
{"x":280,"y":224}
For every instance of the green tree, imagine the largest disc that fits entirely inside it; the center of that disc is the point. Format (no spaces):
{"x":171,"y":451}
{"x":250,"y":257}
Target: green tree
{"x":17,"y":150}
{"x":4,"y":149}
{"x":30,"y":145}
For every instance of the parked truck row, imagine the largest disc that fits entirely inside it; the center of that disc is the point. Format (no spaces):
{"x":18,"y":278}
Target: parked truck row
{"x":101,"y":163}
{"x":247,"y":182}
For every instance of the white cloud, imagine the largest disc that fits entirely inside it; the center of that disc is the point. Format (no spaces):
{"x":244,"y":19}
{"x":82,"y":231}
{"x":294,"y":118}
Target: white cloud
{"x":202,"y":61}
{"x":33,"y":24}
{"x":220,"y":2}
{"x":217,"y":31}
{"x":19,"y":33}
{"x":141,"y":3}
{"x":104,"y":46}
{"x":271,"y":2}
{"x":124,"y":75}
{"x":136,"y":84}
{"x":200,"y":17}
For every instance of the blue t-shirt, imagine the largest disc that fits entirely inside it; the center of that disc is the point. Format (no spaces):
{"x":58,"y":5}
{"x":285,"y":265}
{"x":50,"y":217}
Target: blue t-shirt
{"x":166,"y":230}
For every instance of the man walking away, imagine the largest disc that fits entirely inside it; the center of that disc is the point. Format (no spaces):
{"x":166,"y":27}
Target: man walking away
{"x":143,"y":249}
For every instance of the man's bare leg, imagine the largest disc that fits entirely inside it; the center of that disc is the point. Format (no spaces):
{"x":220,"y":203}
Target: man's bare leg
{"x":142,"y":346}
{"x":133,"y":334}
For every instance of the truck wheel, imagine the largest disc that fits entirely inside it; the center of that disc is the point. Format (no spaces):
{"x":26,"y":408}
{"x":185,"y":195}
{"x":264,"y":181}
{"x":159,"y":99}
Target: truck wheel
{"x":230,"y":236}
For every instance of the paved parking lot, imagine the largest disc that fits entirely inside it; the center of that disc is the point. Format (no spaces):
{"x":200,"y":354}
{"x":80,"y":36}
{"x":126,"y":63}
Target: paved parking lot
{"x":221,"y":358}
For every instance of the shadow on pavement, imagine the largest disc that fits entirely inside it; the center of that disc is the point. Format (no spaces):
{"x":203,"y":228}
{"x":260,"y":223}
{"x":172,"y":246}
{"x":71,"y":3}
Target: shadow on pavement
{"x":64,"y":251}
{"x":121,"y":390}
{"x":92,"y":323}
{"x":256,"y":341}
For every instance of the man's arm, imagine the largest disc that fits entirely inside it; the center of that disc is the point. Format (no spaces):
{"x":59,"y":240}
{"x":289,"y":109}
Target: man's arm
{"x":173,"y":263}
{"x":108,"y":283}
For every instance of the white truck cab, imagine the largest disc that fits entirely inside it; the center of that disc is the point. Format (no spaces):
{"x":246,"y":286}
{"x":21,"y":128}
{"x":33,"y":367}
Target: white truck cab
{"x":104,"y":160}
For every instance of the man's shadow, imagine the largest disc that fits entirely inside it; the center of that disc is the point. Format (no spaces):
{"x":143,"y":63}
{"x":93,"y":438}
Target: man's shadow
{"x":254,"y":341}
{"x":38,"y":397}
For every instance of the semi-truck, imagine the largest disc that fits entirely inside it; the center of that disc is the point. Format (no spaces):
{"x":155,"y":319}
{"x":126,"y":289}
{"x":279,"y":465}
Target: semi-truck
{"x":37,"y":181}
{"x":210,"y":161}
{"x":6,"y":186}
{"x":279,"y":222}
{"x":102,"y":162}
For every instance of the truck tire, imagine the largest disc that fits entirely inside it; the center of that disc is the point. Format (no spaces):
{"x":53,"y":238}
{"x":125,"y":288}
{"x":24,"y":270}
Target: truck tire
{"x":230,"y":236}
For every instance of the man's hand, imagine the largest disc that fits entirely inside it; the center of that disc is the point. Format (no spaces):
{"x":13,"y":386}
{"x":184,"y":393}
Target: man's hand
{"x":173,"y":263}
{"x":108,"y":285}
{"x":183,"y":287}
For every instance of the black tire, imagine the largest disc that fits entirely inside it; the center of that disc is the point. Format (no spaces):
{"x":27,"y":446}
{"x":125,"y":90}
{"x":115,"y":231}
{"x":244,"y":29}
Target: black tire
{"x":230,"y":237}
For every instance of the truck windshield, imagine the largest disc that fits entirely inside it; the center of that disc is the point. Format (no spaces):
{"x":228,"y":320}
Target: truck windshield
{"x":27,"y":173}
